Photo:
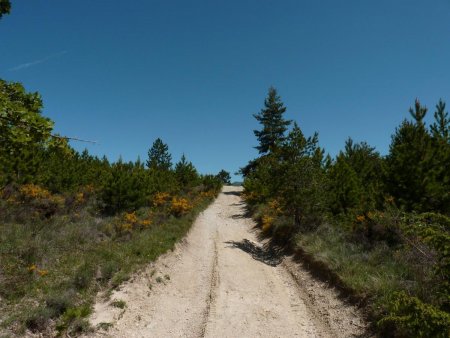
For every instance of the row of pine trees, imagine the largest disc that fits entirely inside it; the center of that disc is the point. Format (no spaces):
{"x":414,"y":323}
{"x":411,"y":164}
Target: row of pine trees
{"x":414,"y":175}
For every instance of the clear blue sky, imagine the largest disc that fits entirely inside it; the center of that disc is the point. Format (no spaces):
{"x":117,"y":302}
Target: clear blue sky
{"x":194,"y":72}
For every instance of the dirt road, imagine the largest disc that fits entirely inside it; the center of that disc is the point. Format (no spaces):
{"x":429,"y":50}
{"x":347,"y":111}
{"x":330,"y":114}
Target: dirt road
{"x":219,"y":282}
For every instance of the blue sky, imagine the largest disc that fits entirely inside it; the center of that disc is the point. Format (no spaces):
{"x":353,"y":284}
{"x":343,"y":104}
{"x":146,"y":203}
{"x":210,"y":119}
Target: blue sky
{"x":194,"y":72}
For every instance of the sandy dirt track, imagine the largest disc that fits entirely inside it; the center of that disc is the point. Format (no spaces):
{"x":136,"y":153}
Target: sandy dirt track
{"x":220,"y":282}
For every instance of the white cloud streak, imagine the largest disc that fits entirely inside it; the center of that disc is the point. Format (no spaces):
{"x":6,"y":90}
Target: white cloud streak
{"x":36,"y":62}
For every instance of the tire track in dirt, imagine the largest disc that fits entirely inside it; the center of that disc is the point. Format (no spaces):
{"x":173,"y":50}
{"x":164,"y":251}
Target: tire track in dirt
{"x":212,"y":291}
{"x":221,"y":282}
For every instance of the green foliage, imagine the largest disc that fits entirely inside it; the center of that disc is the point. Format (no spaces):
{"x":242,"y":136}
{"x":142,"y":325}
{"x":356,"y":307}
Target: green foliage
{"x":211,"y":183}
{"x":185,"y":173}
{"x":23,"y":131}
{"x":273,"y":124}
{"x":355,"y":179}
{"x":125,"y":187}
{"x":434,"y":231}
{"x":5,"y":7}
{"x":408,"y":166}
{"x":52,"y":268}
{"x":372,"y":243}
{"x":441,"y":126}
{"x":159,"y":157}
{"x":57,"y":249}
{"x":121,"y":304}
{"x":224,"y":176}
{"x":344,"y":187}
{"x":418,"y":176}
{"x":300,"y":179}
{"x":413,"y":318}
{"x":418,"y":113}
{"x":290,"y":170}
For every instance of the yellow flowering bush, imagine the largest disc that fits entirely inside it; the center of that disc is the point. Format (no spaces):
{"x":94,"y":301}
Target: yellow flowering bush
{"x":250,"y":197}
{"x":160,"y":199}
{"x":79,"y":198}
{"x":360,"y":218}
{"x":40,"y":200}
{"x":146,"y":223}
{"x":130,"y":217}
{"x":42,"y":273}
{"x":207,"y":194}
{"x":32,"y":191}
{"x":267,"y":222}
{"x":128,"y":222}
{"x":34,"y":269}
{"x":275,"y":207}
{"x":179,"y":206}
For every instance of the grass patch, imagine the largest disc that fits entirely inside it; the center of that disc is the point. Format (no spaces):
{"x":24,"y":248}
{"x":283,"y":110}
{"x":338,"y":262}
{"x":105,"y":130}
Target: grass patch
{"x":400,"y":290}
{"x":120,"y":304}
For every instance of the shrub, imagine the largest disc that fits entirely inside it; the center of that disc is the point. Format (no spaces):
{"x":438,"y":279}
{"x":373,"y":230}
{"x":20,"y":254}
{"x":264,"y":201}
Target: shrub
{"x":412,"y":318}
{"x":37,"y":319}
{"x":160,"y":199}
{"x":83,"y":276}
{"x":179,"y":206}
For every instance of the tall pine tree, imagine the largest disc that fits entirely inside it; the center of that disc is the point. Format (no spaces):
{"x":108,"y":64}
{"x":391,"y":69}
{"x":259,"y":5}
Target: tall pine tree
{"x":159,"y":157}
{"x":273,"y":123}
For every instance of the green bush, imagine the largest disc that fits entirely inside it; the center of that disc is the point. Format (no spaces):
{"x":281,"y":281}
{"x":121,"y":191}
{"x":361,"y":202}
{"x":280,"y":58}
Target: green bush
{"x":410,"y":317}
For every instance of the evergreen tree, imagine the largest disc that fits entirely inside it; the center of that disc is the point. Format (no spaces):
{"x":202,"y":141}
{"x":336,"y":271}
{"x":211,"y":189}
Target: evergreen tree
{"x":410,"y":163}
{"x":418,"y":113}
{"x":369,"y":169}
{"x":125,"y":188}
{"x":186,"y":173}
{"x":441,"y":127}
{"x":273,"y":124}
{"x":224,"y":177}
{"x":159,"y":157}
{"x":345,"y":188}
{"x":298,"y":179}
{"x":440,"y":186}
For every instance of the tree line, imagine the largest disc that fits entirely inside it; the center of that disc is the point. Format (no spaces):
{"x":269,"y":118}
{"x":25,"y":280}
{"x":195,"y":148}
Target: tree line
{"x":31,"y":154}
{"x":414,"y":174}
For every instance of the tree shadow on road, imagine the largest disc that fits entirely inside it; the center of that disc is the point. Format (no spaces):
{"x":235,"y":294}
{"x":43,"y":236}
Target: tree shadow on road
{"x":235,"y":193}
{"x":244,"y":214}
{"x":266,"y":255}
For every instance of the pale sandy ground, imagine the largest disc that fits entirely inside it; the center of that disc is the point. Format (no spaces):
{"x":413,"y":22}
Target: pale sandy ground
{"x":219,"y":282}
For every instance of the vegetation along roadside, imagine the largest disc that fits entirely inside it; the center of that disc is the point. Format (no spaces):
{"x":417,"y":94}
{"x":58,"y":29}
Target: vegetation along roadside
{"x":72,"y":224}
{"x":378,"y":225}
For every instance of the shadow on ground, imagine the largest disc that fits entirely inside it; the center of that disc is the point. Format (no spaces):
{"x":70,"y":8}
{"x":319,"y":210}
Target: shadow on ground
{"x":235,"y":193}
{"x":266,"y":255}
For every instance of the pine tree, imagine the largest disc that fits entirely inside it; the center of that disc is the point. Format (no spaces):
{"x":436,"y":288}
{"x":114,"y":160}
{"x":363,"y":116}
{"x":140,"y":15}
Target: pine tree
{"x":441,"y":127}
{"x":224,"y":177}
{"x":124,"y":188}
{"x":345,"y":188}
{"x":440,"y":187}
{"x":273,"y":124}
{"x":159,"y":157}
{"x":418,"y":113}
{"x":298,"y":179}
{"x":410,"y":163}
{"x":186,"y":173}
{"x":369,"y":169}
